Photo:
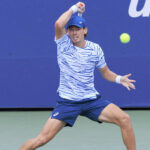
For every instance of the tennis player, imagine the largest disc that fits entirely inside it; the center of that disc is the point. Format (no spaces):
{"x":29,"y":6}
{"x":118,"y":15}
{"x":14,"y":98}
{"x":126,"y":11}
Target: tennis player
{"x":77,"y":59}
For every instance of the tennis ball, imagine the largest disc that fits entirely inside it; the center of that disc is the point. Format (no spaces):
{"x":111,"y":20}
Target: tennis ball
{"x":125,"y":38}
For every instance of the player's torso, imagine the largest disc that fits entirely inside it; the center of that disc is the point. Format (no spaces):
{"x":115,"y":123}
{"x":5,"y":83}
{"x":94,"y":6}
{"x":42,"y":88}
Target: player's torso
{"x":78,"y":60}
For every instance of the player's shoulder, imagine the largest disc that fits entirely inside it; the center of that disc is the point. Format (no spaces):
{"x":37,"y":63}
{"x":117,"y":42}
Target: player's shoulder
{"x":93,"y":45}
{"x":64,"y":38}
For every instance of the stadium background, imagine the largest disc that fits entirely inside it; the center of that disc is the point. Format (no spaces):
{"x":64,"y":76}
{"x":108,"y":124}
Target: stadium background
{"x":29,"y":74}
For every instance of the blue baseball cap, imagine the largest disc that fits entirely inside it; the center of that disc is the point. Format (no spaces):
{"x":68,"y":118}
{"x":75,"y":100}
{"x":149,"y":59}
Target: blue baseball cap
{"x":76,"y":21}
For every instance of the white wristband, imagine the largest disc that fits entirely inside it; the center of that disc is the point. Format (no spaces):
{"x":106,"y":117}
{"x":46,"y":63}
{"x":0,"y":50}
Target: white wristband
{"x":118,"y":79}
{"x":74,"y":8}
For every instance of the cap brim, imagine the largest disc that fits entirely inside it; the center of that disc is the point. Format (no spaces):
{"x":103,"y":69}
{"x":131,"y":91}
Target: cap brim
{"x":77,"y":25}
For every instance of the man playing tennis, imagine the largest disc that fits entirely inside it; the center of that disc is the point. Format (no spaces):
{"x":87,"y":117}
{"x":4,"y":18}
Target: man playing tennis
{"x":77,"y":59}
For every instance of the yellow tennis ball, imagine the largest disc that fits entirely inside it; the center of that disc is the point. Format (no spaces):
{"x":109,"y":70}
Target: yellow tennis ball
{"x":125,"y":38}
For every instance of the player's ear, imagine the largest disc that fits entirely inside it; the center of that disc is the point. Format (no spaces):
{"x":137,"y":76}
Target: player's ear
{"x":85,"y":30}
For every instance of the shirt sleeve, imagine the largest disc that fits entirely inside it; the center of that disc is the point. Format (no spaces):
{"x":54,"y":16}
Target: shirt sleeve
{"x":101,"y":59}
{"x":63,"y":43}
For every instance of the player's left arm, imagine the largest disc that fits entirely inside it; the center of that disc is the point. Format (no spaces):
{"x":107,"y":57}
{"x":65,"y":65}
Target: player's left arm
{"x":112,"y":77}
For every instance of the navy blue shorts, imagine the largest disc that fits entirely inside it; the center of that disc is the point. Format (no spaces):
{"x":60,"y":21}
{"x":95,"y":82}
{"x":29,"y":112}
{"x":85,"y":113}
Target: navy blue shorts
{"x":68,"y":111}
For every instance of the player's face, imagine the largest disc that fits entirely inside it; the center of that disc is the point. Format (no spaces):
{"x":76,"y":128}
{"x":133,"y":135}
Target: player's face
{"x":76,"y":34}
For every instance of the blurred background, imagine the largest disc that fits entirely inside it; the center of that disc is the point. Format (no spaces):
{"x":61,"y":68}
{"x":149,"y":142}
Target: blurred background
{"x":29,"y":74}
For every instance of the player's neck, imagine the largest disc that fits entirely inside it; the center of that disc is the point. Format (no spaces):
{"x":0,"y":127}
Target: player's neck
{"x":80,"y":44}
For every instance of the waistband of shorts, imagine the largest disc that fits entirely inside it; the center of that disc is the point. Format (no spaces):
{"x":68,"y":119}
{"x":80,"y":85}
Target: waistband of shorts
{"x":63,"y":100}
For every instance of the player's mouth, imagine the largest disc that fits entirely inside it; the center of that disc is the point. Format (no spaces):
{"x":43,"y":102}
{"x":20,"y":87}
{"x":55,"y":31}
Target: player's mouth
{"x":75,"y":38}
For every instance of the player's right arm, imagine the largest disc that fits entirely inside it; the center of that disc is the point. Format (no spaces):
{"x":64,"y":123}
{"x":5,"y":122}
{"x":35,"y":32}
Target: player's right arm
{"x":64,"y":18}
{"x":61,"y":22}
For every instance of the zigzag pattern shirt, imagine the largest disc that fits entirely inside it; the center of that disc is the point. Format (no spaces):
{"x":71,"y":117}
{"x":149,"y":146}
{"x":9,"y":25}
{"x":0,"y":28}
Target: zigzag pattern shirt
{"x":77,"y":69}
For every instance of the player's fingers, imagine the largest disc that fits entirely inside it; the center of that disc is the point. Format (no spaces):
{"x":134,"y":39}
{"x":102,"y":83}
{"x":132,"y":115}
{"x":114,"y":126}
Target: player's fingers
{"x":126,"y":85}
{"x":80,"y":5}
{"x":128,"y":88}
{"x":132,"y":86}
{"x":132,"y":81}
{"x":128,"y":75}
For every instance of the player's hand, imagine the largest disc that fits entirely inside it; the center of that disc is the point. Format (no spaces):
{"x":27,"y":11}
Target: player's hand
{"x":126,"y":82}
{"x":81,"y":7}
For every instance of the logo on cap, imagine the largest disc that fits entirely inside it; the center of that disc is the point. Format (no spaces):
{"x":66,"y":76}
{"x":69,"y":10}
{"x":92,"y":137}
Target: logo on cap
{"x":55,"y":114}
{"x":76,"y":21}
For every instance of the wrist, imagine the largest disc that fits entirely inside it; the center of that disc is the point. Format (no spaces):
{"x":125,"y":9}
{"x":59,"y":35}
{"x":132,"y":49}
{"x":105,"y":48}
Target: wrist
{"x":74,"y":9}
{"x":118,"y":79}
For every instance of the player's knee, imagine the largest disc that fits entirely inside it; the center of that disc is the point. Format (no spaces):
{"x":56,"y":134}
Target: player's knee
{"x":44,"y":139}
{"x":41,"y":140}
{"x":125,"y":121}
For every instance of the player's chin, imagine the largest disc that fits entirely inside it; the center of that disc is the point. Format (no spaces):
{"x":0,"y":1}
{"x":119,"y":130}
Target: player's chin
{"x":75,"y":41}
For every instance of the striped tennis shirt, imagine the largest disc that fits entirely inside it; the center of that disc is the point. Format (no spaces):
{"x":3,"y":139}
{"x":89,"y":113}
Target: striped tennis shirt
{"x":77,"y":69}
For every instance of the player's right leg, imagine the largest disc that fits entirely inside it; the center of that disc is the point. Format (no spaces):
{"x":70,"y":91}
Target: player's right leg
{"x":51,"y":128}
{"x":113,"y":114}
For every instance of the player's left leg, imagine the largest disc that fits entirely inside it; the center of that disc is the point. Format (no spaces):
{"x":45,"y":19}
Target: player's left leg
{"x":51,"y":128}
{"x":113,"y":114}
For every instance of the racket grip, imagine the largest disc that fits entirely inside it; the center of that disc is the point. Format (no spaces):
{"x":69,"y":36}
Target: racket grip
{"x":80,"y":14}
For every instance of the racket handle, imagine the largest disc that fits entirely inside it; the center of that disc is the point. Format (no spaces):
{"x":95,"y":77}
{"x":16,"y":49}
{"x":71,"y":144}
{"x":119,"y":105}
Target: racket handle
{"x":80,"y":14}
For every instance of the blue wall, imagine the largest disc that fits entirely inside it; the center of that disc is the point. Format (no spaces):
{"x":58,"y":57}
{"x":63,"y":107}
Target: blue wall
{"x":29,"y":74}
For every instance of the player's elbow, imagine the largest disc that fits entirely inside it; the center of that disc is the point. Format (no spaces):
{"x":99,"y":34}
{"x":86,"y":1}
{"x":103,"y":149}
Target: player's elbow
{"x":58,"y":25}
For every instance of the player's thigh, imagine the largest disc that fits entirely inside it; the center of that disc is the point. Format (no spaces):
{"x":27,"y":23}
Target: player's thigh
{"x":112,"y":114}
{"x":52,"y":127}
